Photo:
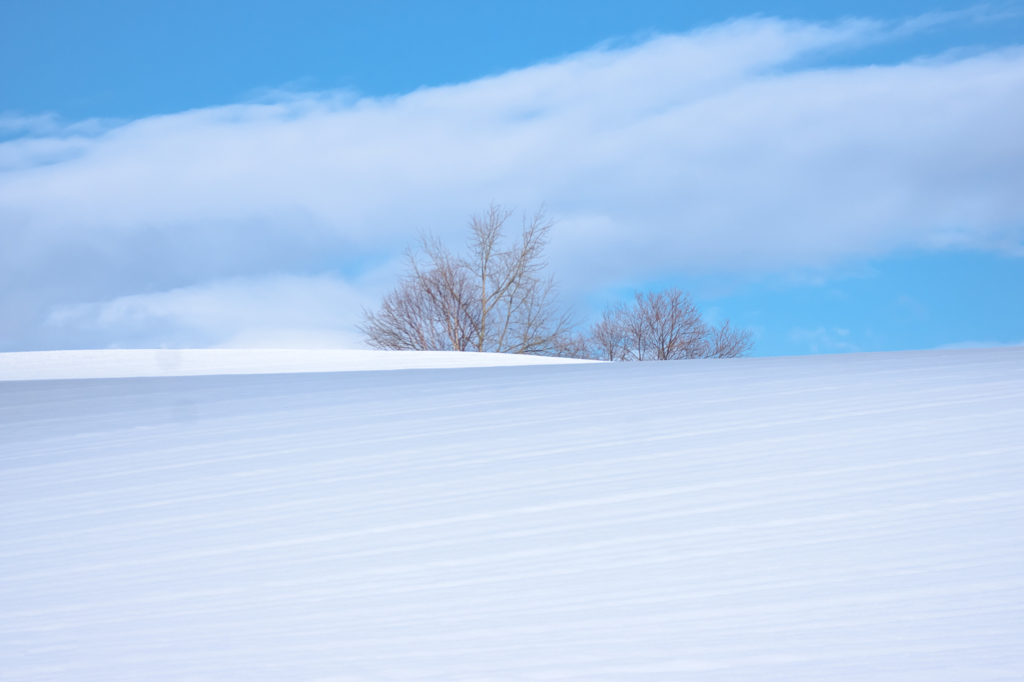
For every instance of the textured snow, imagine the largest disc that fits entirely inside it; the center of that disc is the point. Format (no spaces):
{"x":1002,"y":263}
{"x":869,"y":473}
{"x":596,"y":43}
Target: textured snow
{"x":855,"y":517}
{"x":108,"y":364}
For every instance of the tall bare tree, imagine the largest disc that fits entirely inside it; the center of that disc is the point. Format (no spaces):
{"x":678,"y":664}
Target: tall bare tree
{"x":494,"y":299}
{"x":663,"y":325}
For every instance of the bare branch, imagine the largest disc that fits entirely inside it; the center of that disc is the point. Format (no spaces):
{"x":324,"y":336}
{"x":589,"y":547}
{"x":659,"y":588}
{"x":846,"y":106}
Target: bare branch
{"x":609,"y":338}
{"x":663,"y":325}
{"x":493,"y":300}
{"x":727,"y":342}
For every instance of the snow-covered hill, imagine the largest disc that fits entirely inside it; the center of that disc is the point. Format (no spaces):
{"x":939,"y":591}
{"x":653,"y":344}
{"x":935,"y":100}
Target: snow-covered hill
{"x":110,"y":364}
{"x":855,"y":517}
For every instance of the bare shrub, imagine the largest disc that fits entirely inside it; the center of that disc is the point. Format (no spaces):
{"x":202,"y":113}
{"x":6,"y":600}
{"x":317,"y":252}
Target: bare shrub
{"x":573,"y":345}
{"x":663,"y":325}
{"x":608,"y":340}
{"x":495,"y":299}
{"x":726,"y":342}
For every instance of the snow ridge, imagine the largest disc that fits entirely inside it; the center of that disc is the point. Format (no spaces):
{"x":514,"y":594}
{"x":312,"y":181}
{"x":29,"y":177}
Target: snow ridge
{"x":110,"y":364}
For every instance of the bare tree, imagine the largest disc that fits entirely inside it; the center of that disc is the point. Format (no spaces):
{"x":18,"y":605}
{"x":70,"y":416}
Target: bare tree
{"x":608,"y":338}
{"x":726,"y":342}
{"x":663,"y":325}
{"x":573,"y":345}
{"x":495,"y":299}
{"x":431,"y":309}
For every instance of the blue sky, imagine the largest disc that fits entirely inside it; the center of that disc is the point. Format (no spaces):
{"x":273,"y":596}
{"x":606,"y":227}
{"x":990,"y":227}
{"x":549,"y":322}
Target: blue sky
{"x":839,"y":177}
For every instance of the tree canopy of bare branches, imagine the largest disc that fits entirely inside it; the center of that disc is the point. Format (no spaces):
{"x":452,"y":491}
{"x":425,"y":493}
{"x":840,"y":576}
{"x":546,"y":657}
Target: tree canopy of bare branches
{"x":494,"y":299}
{"x":663,"y":325}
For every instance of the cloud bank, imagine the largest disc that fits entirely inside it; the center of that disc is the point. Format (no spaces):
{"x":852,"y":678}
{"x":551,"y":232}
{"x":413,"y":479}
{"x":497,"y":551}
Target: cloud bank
{"x":722,"y":150}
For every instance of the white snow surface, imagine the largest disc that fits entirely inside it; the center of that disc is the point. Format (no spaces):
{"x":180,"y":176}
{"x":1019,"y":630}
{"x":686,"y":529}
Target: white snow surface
{"x":108,"y":364}
{"x":855,"y":517}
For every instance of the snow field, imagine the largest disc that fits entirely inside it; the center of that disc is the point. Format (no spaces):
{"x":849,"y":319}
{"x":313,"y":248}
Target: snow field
{"x":820,"y":518}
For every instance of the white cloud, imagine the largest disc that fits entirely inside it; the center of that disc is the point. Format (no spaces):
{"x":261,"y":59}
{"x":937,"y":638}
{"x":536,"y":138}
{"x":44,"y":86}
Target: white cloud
{"x":272,"y":312}
{"x":710,"y":151}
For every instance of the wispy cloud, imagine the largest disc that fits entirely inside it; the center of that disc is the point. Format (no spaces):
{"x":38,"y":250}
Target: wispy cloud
{"x":980,"y":344}
{"x":823,"y":340}
{"x":710,"y":151}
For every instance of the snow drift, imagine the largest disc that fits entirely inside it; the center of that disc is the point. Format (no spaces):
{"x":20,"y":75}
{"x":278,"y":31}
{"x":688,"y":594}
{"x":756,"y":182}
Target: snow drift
{"x":854,"y":517}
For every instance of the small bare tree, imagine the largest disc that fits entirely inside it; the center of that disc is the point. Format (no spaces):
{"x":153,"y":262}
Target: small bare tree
{"x":495,"y":299}
{"x":726,"y":342}
{"x":663,"y":325}
{"x":608,"y":338}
